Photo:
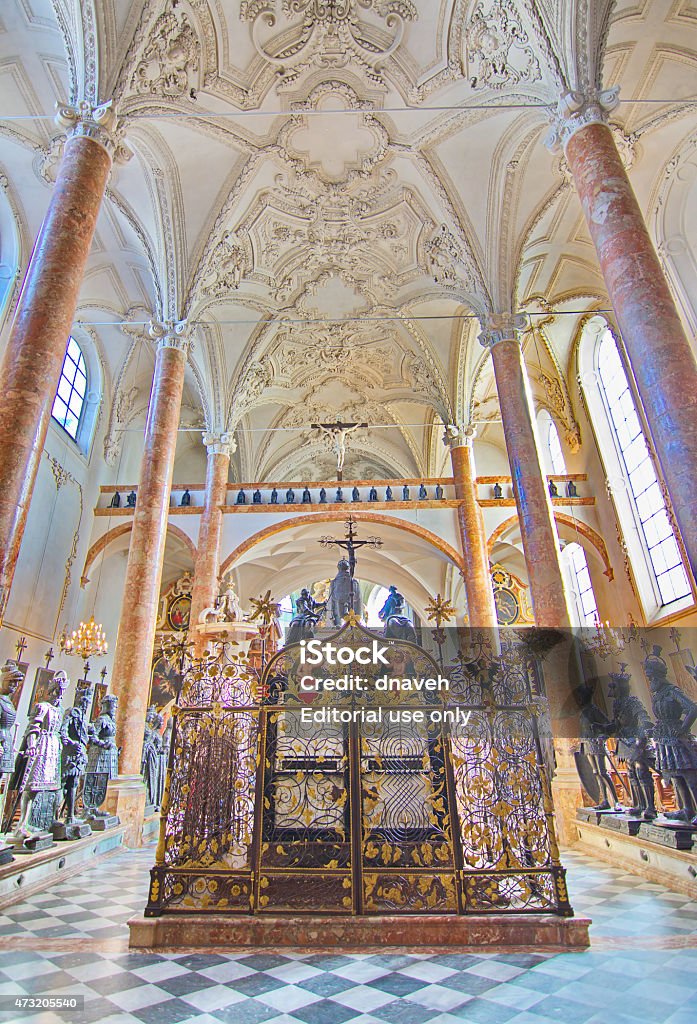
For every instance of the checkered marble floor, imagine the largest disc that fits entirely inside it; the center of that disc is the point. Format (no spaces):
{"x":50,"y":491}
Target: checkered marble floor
{"x":71,"y":940}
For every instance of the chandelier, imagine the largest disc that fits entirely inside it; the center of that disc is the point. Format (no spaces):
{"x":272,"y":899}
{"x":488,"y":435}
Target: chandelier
{"x":87,"y":641}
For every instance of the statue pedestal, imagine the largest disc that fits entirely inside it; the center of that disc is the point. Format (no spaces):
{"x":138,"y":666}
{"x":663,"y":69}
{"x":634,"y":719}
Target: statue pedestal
{"x":32,"y":844}
{"x":102,"y":822}
{"x":225,"y":632}
{"x":63,"y":830}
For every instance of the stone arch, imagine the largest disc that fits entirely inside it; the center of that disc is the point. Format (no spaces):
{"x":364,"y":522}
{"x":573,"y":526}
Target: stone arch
{"x":583,"y":529}
{"x":103,"y":542}
{"x":366,"y":517}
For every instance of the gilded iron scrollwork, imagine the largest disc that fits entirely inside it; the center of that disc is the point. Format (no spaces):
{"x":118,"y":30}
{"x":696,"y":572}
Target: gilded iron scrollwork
{"x":412,"y":802}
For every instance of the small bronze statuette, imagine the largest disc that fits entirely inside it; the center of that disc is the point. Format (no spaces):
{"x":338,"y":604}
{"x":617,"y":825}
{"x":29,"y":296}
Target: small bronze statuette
{"x":388,"y":494}
{"x":290,"y":496}
{"x":322,"y":496}
{"x":186,"y":499}
{"x":571,"y":491}
{"x":339,"y":495}
{"x":115,"y":501}
{"x":256,"y":498}
{"x":274,"y":497}
{"x":307,"y":497}
{"x":553,"y":490}
{"x":355,"y":494}
{"x":373,"y":496}
{"x":439,"y":492}
{"x":405,"y":493}
{"x":241,"y":498}
{"x":423,"y":493}
{"x":131,"y":500}
{"x":498,"y":490}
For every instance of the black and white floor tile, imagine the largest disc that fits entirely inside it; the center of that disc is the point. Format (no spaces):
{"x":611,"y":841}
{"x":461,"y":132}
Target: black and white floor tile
{"x":71,"y":940}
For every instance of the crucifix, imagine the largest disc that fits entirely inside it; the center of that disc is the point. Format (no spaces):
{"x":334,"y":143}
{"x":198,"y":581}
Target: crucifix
{"x":49,"y":656}
{"x":338,"y":433}
{"x":20,"y":647}
{"x":350,"y":545}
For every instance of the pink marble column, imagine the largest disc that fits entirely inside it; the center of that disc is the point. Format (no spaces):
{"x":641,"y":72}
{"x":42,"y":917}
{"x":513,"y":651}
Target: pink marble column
{"x":134,"y":644}
{"x":661,"y":356}
{"x":480,"y":598}
{"x":33,"y":358}
{"x":206,"y":573}
{"x":537,"y":527}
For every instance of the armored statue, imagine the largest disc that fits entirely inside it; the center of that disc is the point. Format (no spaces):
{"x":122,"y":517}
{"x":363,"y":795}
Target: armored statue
{"x":308,"y":612}
{"x":10,"y":679}
{"x":676,"y":747}
{"x":397,"y":625}
{"x":102,"y":752}
{"x":633,"y":727}
{"x":344,"y":594}
{"x":38,"y":766}
{"x":151,"y":761}
{"x":102,"y":761}
{"x":74,"y":736}
{"x":594,"y":728}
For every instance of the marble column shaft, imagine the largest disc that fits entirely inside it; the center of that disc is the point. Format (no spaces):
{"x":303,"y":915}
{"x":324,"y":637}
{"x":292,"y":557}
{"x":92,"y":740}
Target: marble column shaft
{"x":661,"y":356}
{"x":134,"y":645}
{"x":537,"y":528}
{"x":476,"y":578}
{"x":33,"y":358}
{"x":206,"y":580}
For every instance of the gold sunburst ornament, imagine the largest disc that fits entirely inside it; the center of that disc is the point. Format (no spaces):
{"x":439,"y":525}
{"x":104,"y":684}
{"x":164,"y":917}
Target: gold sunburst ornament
{"x":265,"y":608}
{"x":439,"y":611}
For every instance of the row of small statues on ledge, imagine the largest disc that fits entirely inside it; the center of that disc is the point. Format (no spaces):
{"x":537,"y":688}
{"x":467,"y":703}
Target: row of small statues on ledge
{"x":571,"y":491}
{"x":306,"y":498}
{"x":666,"y":745}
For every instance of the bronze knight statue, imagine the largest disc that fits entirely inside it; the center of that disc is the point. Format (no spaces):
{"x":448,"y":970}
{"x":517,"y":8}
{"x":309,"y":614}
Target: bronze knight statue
{"x":344,"y":594}
{"x":633,"y":727}
{"x":676,"y":747}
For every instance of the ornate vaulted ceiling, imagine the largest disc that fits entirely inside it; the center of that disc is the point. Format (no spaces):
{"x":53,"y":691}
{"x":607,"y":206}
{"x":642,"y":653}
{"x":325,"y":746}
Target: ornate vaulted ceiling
{"x":375,"y":162}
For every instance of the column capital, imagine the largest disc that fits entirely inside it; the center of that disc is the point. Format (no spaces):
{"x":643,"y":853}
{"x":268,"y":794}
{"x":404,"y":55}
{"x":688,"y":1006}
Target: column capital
{"x":576,"y":110}
{"x":99,"y":122}
{"x":219,"y":444}
{"x":171,"y":334}
{"x":496,"y":327}
{"x":458,"y":436}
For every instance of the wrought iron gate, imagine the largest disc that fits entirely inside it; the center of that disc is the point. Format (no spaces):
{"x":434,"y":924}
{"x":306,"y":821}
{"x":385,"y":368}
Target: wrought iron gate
{"x":434,"y":803}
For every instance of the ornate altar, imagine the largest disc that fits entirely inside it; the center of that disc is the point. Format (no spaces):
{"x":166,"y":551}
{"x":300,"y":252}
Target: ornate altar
{"x":281,"y":802}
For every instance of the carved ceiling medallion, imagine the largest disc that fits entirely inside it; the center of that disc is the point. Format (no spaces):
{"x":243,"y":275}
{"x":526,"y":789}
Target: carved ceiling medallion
{"x":498,"y":50}
{"x":170,"y":59}
{"x":330,"y":33}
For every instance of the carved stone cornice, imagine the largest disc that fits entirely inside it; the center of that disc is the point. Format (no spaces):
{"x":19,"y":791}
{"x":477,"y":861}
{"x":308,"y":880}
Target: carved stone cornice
{"x":576,"y":110}
{"x":219,"y":444}
{"x":171,"y":334}
{"x":496,"y":327}
{"x":458,"y":436}
{"x":99,"y":123}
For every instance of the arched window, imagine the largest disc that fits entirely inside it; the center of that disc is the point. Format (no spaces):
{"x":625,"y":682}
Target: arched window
{"x":581,"y":584}
{"x":645,"y":497}
{"x":556,"y":456}
{"x":72,"y":388}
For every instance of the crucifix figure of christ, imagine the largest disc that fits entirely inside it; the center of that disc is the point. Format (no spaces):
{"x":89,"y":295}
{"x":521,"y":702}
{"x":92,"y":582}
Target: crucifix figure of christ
{"x":350,"y":544}
{"x":344,"y":591}
{"x":338,"y":433}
